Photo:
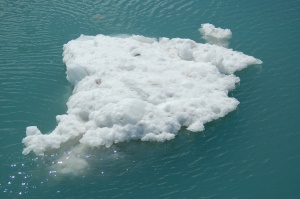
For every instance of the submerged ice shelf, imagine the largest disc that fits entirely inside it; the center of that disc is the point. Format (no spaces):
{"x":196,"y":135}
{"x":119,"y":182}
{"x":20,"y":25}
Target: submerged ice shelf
{"x":142,"y":88}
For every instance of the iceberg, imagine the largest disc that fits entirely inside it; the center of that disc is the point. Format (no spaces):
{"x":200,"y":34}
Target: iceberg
{"x":140,"y":88}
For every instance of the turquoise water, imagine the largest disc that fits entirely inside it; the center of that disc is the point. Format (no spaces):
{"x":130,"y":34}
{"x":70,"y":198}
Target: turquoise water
{"x":253,"y":152}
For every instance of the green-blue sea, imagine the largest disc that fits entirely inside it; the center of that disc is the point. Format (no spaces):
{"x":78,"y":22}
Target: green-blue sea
{"x":253,"y":152}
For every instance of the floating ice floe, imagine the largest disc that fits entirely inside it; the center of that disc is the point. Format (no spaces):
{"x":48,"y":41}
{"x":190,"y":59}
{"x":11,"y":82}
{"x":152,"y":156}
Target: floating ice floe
{"x":217,"y":36}
{"x":139,"y":88}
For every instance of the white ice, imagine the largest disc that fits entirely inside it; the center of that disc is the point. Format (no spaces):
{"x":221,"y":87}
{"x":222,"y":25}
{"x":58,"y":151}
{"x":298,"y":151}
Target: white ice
{"x":216,"y":36}
{"x":139,"y":88}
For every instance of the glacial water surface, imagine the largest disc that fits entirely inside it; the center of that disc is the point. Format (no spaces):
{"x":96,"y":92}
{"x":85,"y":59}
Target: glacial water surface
{"x":253,"y":152}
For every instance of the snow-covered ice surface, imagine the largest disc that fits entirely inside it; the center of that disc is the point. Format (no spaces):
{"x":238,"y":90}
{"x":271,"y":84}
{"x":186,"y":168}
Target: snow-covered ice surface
{"x":140,"y":88}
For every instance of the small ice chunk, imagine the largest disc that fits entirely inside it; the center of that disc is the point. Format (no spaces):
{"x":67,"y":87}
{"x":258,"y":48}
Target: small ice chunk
{"x":217,"y":36}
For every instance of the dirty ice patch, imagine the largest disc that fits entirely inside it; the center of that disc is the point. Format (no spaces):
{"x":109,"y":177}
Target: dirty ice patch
{"x":139,"y":88}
